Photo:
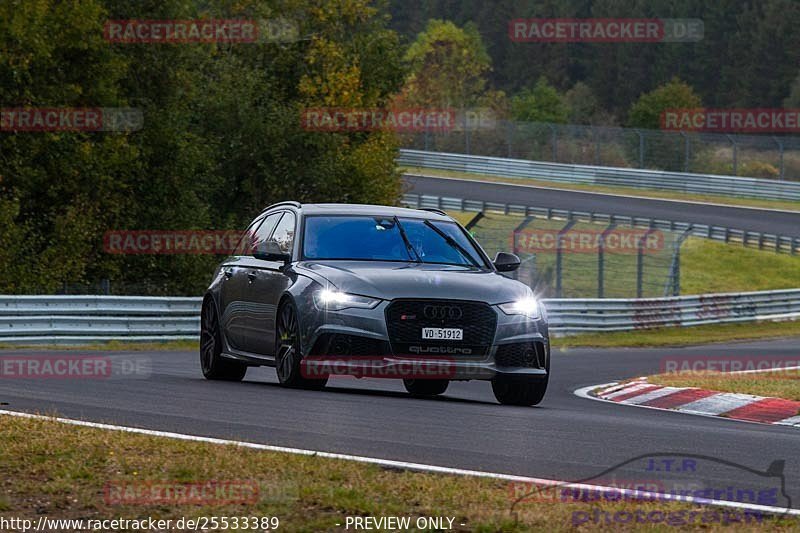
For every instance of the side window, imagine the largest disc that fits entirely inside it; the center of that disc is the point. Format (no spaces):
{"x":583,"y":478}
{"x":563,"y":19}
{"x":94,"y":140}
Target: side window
{"x":256,"y":233}
{"x":264,"y":231}
{"x":284,"y":233}
{"x":246,"y":241}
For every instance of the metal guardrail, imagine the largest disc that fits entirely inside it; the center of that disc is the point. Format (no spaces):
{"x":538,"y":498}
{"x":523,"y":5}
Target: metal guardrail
{"x":89,"y":319}
{"x":778,"y":243}
{"x":86,"y":319}
{"x":599,"y":315}
{"x":608,"y":176}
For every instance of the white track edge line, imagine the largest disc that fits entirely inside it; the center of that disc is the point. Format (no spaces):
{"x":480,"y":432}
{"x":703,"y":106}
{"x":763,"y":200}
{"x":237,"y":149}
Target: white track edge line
{"x":598,"y":193}
{"x":404,"y":465}
{"x":757,"y":371}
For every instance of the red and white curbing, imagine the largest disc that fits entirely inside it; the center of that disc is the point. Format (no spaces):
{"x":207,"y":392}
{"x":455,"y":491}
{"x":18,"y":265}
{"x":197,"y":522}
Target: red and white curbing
{"x":733,"y":406}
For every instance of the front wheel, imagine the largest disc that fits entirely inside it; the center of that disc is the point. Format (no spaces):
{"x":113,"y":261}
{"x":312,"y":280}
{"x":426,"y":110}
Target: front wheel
{"x":426,"y":387}
{"x":288,"y":353}
{"x":520,"y":391}
{"x":213,"y":365}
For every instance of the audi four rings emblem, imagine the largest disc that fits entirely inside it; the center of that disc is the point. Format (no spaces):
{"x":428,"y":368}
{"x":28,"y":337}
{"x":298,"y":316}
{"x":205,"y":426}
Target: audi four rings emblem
{"x":440,"y":312}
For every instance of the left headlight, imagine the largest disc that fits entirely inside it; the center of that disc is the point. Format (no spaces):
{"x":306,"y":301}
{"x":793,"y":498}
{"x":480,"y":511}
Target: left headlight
{"x":529,"y":307}
{"x":330,"y":300}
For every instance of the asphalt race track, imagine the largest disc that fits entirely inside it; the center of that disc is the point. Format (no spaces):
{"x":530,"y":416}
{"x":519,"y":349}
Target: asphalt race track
{"x":565,"y":438}
{"x":764,"y":221}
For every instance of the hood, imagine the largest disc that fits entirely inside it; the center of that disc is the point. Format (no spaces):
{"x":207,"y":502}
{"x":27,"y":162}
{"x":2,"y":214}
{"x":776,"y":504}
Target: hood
{"x":390,"y":280}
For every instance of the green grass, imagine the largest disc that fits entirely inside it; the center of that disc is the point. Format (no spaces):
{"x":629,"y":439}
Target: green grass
{"x":710,"y":267}
{"x":689,"y":336}
{"x":626,"y":191}
{"x":191,"y":346}
{"x":65,"y":469}
{"x":782,"y":384}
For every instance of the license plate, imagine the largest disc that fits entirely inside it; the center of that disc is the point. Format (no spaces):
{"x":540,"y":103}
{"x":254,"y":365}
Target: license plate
{"x":443,"y":334}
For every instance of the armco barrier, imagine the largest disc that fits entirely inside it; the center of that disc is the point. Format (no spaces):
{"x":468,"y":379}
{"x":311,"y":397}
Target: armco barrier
{"x":83,"y":319}
{"x":86,"y":319}
{"x":598,"y":315}
{"x":608,"y":176}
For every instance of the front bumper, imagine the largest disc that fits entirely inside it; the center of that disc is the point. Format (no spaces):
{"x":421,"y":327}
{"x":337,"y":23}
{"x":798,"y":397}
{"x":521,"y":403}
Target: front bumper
{"x":357,"y":342}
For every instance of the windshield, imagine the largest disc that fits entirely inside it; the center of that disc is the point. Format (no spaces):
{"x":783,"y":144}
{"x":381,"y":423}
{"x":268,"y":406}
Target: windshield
{"x":368,"y":238}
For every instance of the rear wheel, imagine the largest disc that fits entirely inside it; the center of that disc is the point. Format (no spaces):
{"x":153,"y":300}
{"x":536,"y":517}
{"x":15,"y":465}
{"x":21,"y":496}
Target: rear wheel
{"x":212,"y":363}
{"x":426,"y":387}
{"x":519,"y":391}
{"x":288,"y":353}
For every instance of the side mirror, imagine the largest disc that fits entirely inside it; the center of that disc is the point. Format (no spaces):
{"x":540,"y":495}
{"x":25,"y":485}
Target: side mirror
{"x":270,"y":251}
{"x":506,"y":262}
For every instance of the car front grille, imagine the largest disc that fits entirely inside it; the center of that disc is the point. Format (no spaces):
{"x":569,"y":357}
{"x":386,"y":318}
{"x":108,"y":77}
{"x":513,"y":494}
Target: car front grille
{"x":406,"y":318}
{"x":521,"y":355}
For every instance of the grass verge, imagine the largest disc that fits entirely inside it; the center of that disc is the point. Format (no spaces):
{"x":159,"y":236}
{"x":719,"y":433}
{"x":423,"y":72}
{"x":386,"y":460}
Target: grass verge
{"x":782,"y":384}
{"x":688,"y":336}
{"x":625,"y":191}
{"x":67,"y":468}
{"x":117,"y":346}
{"x":711,"y":267}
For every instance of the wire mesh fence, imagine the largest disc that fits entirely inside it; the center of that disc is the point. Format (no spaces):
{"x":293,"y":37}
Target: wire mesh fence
{"x":758,"y":156}
{"x":574,"y":259}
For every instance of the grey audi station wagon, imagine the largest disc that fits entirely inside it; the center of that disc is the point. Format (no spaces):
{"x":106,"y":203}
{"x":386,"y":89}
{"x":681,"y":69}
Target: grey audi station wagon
{"x":317,"y":290}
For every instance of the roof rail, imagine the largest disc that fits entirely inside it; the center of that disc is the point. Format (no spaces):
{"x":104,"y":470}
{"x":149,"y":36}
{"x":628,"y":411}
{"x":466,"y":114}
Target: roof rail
{"x":434,"y":210}
{"x":287,"y":202}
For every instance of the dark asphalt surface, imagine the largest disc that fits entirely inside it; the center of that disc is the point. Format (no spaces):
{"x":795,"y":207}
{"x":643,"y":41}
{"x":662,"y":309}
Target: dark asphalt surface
{"x":775,"y":222}
{"x":566,"y":438}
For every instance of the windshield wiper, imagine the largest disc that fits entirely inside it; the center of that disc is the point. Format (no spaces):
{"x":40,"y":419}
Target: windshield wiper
{"x":405,"y":240}
{"x":453,"y":243}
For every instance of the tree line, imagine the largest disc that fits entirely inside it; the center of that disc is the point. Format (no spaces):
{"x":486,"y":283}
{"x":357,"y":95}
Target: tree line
{"x":222,"y":138}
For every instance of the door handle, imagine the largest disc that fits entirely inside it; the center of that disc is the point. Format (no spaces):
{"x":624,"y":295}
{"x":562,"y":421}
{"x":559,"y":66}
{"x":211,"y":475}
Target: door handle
{"x":251,"y":276}
{"x":228,"y":272}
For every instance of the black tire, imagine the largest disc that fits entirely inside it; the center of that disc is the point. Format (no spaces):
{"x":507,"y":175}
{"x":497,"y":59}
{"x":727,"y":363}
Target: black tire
{"x":213,"y":365}
{"x":519,"y":391}
{"x":288,"y":352}
{"x":426,"y":387}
